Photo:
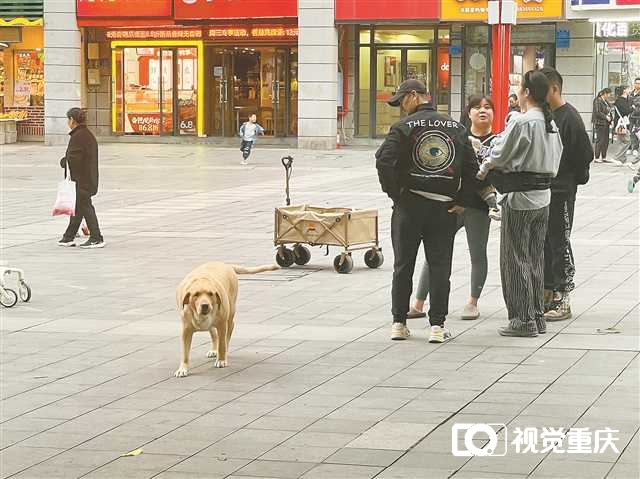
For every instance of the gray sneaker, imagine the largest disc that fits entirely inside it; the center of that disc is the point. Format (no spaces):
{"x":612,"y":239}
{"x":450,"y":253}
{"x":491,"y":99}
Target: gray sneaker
{"x":470,"y":311}
{"x":399,"y":332}
{"x":92,"y":244}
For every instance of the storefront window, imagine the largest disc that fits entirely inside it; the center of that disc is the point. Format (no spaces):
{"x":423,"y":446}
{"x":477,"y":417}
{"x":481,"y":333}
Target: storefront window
{"x":388,"y":78}
{"x":365,"y":36}
{"x":475,"y":71}
{"x":404,"y":36}
{"x":28,"y":84}
{"x":187,"y":97}
{"x":153,"y":83}
{"x":617,"y":63}
{"x":525,"y":58}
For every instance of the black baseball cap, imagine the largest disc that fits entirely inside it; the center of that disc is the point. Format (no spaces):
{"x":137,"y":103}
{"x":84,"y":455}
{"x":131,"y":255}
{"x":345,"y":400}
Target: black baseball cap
{"x":406,"y":87}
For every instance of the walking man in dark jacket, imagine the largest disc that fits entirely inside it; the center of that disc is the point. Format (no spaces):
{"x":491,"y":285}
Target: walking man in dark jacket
{"x":577,"y":154}
{"x":634,"y":116}
{"x":82,"y":160}
{"x":421,"y":165}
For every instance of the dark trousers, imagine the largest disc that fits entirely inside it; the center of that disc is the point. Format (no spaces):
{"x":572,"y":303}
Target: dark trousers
{"x":522,"y":234}
{"x":602,"y":141}
{"x":634,"y":127}
{"x":245,"y":148}
{"x":416,"y":219}
{"x":559,"y":265}
{"x":84,"y":209}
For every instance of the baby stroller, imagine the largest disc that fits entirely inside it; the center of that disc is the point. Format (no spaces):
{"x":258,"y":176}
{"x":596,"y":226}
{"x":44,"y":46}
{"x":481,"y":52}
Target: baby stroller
{"x":8,"y":297}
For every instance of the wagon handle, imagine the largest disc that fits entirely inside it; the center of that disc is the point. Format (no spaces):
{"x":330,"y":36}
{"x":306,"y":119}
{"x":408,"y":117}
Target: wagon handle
{"x":287,"y":162}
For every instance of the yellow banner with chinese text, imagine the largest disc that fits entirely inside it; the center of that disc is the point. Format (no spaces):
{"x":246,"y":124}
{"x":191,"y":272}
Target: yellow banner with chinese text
{"x":476,"y":10}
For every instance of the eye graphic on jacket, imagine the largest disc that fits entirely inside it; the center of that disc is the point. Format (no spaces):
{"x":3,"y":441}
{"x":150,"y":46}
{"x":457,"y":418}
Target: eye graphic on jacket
{"x":433,"y":152}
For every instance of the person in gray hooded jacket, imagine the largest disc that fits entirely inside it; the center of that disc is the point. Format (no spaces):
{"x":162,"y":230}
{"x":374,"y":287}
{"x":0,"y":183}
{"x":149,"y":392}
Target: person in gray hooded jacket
{"x":526,"y":156}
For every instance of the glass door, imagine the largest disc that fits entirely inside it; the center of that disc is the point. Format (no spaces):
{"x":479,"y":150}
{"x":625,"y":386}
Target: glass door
{"x":141,"y":91}
{"x":222,"y":119}
{"x":166,"y":92}
{"x":388,"y":78}
{"x":279,"y":92}
{"x":293,"y":91}
{"x":393,"y":66}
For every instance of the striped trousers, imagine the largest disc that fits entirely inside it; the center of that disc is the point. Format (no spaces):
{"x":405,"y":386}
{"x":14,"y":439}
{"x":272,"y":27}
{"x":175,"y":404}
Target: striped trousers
{"x":522,"y":234}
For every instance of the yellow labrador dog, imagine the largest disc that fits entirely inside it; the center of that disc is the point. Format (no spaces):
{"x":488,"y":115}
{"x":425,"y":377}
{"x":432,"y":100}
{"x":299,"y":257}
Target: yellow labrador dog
{"x":206,"y":299}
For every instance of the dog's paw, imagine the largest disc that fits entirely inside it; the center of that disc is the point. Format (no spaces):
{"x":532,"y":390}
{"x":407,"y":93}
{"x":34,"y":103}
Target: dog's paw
{"x":220,"y":364}
{"x":211,"y":354}
{"x":181,"y":373}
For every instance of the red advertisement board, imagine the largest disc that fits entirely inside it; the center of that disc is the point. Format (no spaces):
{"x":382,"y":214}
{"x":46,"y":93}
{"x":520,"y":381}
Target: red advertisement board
{"x":628,"y":2}
{"x":214,"y":9}
{"x":352,"y":10}
{"x":123,"y":8}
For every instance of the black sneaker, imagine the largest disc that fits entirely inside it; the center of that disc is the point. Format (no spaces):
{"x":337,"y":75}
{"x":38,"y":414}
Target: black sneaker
{"x":66,"y":243}
{"x":92,"y":243}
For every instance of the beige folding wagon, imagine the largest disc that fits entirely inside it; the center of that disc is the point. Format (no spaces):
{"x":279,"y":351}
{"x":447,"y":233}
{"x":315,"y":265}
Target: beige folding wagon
{"x":351,"y":229}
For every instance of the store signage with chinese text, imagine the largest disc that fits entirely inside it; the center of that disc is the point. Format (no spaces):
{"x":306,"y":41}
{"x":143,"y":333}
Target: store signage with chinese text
{"x":123,"y":8}
{"x":355,"y":10}
{"x":210,"y":9}
{"x":618,"y":30}
{"x":156,"y":34}
{"x":477,"y":10}
{"x":274,"y":32}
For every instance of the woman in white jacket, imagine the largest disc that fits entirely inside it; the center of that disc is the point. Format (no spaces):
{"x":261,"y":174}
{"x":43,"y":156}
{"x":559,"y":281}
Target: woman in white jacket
{"x":524,"y":158}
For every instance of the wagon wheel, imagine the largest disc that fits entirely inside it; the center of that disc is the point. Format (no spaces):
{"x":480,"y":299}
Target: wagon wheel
{"x":8,"y":297}
{"x":302,"y":255}
{"x":285,"y":257}
{"x":24,"y":291}
{"x":343,"y":263}
{"x":373,"y":258}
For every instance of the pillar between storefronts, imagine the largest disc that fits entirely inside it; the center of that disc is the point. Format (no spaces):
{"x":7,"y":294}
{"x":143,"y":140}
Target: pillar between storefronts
{"x":62,"y":68}
{"x":317,"y":75}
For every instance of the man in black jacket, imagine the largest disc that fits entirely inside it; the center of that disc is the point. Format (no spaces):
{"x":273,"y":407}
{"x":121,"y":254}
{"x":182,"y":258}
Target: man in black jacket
{"x":82,"y":159}
{"x":421,"y":165}
{"x":577,"y":154}
{"x":634,"y":117}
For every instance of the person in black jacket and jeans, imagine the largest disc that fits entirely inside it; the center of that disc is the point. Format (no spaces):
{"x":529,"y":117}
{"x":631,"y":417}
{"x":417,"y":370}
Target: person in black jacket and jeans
{"x":577,"y":154}
{"x":601,"y":119}
{"x":421,"y":164}
{"x":82,"y":159}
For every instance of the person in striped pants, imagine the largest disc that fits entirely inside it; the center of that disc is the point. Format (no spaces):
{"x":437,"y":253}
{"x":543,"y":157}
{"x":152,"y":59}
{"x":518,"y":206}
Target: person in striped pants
{"x":525,"y":158}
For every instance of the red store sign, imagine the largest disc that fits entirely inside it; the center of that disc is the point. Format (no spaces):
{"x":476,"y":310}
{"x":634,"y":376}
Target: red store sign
{"x":209,"y":9}
{"x":123,"y":8}
{"x":355,"y":10}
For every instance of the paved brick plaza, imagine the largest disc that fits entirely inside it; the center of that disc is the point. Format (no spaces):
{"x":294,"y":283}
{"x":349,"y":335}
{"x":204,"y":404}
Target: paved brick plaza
{"x":314,"y":388}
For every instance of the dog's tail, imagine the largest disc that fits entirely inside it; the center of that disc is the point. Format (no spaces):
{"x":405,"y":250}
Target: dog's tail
{"x":256,"y":269}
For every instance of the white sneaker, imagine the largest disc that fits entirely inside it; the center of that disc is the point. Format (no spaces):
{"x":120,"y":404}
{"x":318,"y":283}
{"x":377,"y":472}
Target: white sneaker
{"x":598,"y":160}
{"x":635,"y":152}
{"x":611,"y":161}
{"x":244,"y":162}
{"x":470,"y":311}
{"x":439,"y":335}
{"x":399,"y":332}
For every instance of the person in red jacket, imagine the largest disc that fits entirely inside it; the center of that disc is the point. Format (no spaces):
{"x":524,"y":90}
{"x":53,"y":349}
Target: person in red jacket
{"x":82,"y":160}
